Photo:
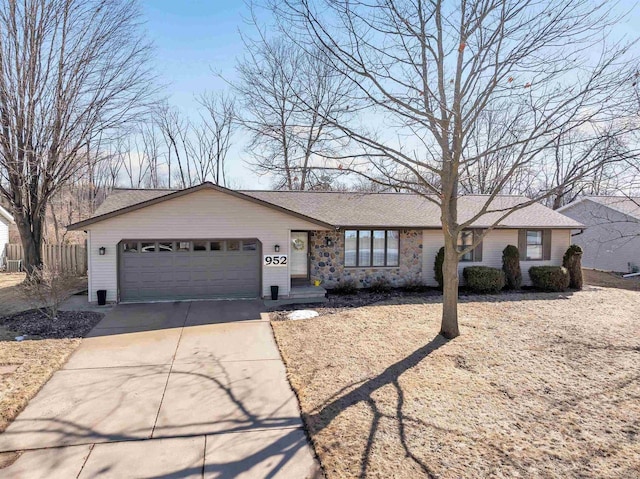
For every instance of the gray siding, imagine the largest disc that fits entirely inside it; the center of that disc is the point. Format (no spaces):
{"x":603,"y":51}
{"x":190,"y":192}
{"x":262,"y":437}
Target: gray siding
{"x":611,"y":241}
{"x":4,"y":237}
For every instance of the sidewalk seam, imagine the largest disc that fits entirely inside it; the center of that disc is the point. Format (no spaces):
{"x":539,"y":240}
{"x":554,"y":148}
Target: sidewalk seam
{"x":166,"y":384}
{"x":85,"y":460}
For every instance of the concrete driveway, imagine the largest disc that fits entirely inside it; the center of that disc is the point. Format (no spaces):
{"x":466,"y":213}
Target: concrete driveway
{"x":185,"y":389}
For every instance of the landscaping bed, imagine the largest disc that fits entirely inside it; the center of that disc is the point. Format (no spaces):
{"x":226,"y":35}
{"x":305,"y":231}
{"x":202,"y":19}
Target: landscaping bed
{"x":538,"y":385}
{"x":337,"y":303}
{"x":25,"y":366}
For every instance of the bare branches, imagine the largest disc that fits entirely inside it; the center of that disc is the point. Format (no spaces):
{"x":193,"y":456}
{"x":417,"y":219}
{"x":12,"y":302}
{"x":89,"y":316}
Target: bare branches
{"x":70,"y":70}
{"x":290,"y":101}
{"x":474,"y":96}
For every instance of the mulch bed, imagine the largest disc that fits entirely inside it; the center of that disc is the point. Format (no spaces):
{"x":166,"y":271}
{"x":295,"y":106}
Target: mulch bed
{"x":337,"y":303}
{"x":34,"y":324}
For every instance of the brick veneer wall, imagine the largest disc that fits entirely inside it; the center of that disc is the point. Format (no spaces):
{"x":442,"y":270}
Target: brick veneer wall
{"x":327,"y":262}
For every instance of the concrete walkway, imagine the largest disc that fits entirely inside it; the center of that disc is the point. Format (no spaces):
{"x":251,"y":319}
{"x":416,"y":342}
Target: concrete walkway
{"x":167,"y":390}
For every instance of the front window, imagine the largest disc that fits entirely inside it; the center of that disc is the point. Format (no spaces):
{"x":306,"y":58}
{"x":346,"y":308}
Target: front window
{"x":465,"y":240}
{"x":376,"y":248}
{"x":534,"y":244}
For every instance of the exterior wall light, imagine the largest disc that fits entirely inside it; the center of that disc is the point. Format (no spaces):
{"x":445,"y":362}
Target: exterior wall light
{"x":328,"y":241}
{"x":276,"y":248}
{"x":102,"y":251}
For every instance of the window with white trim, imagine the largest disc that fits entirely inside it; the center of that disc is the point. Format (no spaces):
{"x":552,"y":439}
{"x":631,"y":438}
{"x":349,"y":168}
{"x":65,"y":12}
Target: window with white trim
{"x":371,"y":248}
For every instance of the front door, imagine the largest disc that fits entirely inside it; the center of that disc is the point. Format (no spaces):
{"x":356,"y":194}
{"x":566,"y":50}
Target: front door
{"x":299,"y":254}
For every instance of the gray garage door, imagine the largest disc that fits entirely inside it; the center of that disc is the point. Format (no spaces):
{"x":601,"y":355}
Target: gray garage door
{"x":189,"y":269}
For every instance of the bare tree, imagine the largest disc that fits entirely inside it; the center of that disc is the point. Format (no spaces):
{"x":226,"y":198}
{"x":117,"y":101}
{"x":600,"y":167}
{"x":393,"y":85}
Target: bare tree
{"x":69,"y":70}
{"x":288,"y":96}
{"x":217,"y":129}
{"x":427,"y":75}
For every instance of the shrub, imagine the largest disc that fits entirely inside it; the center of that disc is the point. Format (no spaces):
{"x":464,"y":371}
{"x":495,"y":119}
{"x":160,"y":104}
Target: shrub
{"x":415,"y":285}
{"x":549,"y":278}
{"x":572,"y":260}
{"x":483,"y":279}
{"x":47,"y":287}
{"x":380,"y":285}
{"x":344,"y":287}
{"x":511,"y":267}
{"x":437,"y":267}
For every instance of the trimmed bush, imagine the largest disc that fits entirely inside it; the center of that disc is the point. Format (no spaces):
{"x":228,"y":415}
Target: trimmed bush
{"x":415,"y":285}
{"x":345,"y":287}
{"x":483,"y":279}
{"x":437,"y":267}
{"x":572,"y":260}
{"x":511,"y":267}
{"x":549,"y":278}
{"x":380,"y":285}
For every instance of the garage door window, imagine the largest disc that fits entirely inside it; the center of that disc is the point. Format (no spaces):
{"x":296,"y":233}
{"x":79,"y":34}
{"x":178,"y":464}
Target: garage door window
{"x":130,"y":247}
{"x":249,"y":245}
{"x":165,"y":247}
{"x":233,"y":245}
{"x":147,"y":247}
{"x":217,"y":245}
{"x":200,"y":245}
{"x":184,"y":246}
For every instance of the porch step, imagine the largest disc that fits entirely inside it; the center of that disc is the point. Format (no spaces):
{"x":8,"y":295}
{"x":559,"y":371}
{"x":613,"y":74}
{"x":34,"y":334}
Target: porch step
{"x":308,"y":291}
{"x":280,"y":302}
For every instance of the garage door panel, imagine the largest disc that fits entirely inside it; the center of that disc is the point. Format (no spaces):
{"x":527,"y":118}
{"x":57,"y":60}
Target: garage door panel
{"x":157,"y":275}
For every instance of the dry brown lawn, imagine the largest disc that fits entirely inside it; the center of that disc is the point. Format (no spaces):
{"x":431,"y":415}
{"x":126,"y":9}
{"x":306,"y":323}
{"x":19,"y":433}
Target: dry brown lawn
{"x":538,"y":385}
{"x":11,"y":301}
{"x":24,"y":368}
{"x":27,"y":365}
{"x":610,"y":280}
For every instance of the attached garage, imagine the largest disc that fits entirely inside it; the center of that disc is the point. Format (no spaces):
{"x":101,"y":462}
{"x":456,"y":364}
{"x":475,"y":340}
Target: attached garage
{"x":152,"y":270}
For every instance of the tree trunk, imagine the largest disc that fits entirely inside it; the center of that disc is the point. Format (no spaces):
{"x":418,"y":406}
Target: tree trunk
{"x":449,"y":328}
{"x":31,"y":239}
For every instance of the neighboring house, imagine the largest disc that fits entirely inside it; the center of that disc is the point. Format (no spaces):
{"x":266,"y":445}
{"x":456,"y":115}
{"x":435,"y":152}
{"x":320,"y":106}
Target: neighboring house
{"x":5,"y":221}
{"x":212,"y":242}
{"x":611,"y":241}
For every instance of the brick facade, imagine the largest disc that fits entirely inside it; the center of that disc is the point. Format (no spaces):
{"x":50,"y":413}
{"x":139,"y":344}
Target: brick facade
{"x":327,"y":262}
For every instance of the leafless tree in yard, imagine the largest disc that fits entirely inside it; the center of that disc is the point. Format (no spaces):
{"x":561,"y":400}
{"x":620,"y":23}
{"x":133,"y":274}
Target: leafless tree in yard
{"x":428,"y":77}
{"x":289,"y":100}
{"x":69,"y":70}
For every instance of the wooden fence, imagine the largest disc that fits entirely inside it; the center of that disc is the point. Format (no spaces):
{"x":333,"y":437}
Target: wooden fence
{"x":71,"y":258}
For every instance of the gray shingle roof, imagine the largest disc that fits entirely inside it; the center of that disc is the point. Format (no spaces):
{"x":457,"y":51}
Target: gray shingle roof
{"x":627,"y":205}
{"x":375,"y":209}
{"x":123,"y":197}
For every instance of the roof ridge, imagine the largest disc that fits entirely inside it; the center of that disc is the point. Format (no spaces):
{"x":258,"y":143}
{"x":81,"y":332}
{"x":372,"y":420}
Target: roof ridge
{"x":377,"y":193}
{"x":144,"y":189}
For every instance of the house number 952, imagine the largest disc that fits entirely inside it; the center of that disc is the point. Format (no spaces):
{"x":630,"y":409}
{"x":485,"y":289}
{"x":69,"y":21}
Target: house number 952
{"x":275,"y":260}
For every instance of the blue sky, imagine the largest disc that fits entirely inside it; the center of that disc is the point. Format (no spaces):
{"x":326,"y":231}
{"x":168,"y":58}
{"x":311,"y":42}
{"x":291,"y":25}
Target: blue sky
{"x":193,"y":41}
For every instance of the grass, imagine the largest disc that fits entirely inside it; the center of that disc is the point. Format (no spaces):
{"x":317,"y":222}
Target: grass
{"x":25,"y":366}
{"x":11,"y":300}
{"x":610,"y":280}
{"x":538,"y":385}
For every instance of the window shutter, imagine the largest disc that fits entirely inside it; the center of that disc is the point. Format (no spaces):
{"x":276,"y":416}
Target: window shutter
{"x":546,"y":245}
{"x":477,"y":251}
{"x":522,"y":244}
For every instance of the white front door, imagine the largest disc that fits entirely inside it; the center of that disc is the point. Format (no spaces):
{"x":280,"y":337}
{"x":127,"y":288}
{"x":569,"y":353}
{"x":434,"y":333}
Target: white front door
{"x":299,"y":253}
